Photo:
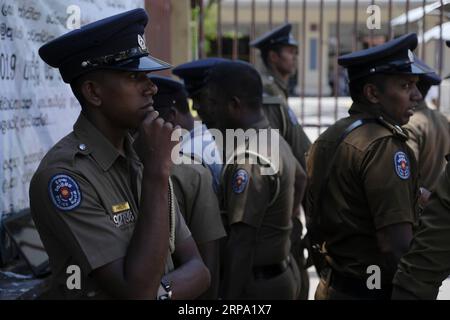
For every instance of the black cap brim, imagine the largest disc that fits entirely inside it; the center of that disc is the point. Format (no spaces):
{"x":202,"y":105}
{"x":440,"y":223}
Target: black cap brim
{"x":418,"y":69}
{"x":145,"y":63}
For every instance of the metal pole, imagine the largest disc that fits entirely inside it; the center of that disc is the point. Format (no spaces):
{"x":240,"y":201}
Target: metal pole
{"x":441,"y":51}
{"x":424,"y":27}
{"x":320,"y":64}
{"x":219,"y":28}
{"x":286,"y":11}
{"x":303,"y":63}
{"x":201,"y":38}
{"x":336,"y":66}
{"x":270,"y":14}
{"x":407,"y":16}
{"x":355,"y":27}
{"x":390,"y":18}
{"x":253,"y":33}
{"x":235,"y":38}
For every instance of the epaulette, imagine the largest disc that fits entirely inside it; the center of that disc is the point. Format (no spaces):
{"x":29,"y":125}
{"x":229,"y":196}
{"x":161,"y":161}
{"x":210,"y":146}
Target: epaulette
{"x":272,"y":100}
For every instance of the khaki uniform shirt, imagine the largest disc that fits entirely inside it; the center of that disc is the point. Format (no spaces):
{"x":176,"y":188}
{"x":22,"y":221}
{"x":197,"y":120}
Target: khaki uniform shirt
{"x":282,"y":117}
{"x":273,"y":85}
{"x":84,"y":199}
{"x":372,"y":184}
{"x":248,"y":197}
{"x":198,"y":202}
{"x":422,"y":270}
{"x":429,"y":138}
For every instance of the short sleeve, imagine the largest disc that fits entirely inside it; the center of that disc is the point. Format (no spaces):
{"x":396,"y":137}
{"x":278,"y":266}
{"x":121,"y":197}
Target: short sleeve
{"x":68,"y":205}
{"x":206,"y":224}
{"x":295,"y":136}
{"x":182,"y":231}
{"x":414,"y":139}
{"x":389,"y":179}
{"x":248,"y":194}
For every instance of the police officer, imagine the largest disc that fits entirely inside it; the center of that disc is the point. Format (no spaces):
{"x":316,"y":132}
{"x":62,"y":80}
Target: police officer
{"x":279,"y":54}
{"x":192,"y":181}
{"x":427,"y":263}
{"x":429,"y":134}
{"x":362,"y":176}
{"x":194,"y":75}
{"x":91,"y":187}
{"x":258,"y":203}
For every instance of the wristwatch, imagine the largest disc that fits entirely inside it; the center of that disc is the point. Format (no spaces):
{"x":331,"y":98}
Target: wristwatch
{"x":165,"y":290}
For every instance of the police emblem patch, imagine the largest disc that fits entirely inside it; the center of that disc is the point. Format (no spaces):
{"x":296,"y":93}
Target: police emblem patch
{"x":64,"y":192}
{"x":240,"y":180}
{"x":292,"y":117}
{"x":401,"y":165}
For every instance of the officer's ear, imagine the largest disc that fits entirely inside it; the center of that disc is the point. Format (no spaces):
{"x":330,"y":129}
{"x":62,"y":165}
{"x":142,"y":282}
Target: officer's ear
{"x":171,"y":115}
{"x":91,"y":92}
{"x":273,"y":56}
{"x":235,"y":104}
{"x":371,"y":93}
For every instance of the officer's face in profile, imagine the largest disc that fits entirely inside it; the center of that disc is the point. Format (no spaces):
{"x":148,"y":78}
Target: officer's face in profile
{"x":200,"y":103}
{"x":125,"y":98}
{"x":285,"y":60}
{"x":224,"y":118}
{"x":399,"y":97}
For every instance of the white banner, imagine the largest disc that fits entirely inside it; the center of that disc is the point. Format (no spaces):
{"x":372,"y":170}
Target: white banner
{"x":36,"y":107}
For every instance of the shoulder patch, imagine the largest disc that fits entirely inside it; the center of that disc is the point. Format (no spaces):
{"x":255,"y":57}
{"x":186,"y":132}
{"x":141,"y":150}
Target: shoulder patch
{"x":64,"y":192}
{"x":292,"y":116}
{"x":240,"y":181}
{"x":401,"y":165}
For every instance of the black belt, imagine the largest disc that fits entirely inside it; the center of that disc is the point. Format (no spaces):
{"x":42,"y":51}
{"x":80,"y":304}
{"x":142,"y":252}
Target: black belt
{"x":358,"y":287}
{"x":271,"y":270}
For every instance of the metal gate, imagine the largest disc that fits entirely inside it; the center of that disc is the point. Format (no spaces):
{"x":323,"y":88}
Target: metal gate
{"x":325,"y":30}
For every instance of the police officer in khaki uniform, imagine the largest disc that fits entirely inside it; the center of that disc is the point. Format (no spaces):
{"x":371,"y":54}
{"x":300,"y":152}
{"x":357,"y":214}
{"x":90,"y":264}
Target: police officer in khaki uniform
{"x":427,"y":263}
{"x":362,"y":176}
{"x":279,"y":55}
{"x":194,"y":74}
{"x":258,"y":197}
{"x":192,"y":181}
{"x":429,"y":135}
{"x":104,"y":206}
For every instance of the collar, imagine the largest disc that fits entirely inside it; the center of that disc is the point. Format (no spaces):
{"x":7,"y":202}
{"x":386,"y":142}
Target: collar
{"x":267,"y":72}
{"x":421,"y":106}
{"x":93,"y":142}
{"x":373,"y":111}
{"x":261,"y":124}
{"x":359,"y":108}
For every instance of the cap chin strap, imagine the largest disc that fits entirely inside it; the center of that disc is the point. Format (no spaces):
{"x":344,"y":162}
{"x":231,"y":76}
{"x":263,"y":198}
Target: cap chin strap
{"x":107,"y":60}
{"x":384,"y":68}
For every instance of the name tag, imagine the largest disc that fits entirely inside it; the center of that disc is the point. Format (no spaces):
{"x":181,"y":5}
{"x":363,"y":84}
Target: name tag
{"x":123,"y":218}
{"x":120,"y":207}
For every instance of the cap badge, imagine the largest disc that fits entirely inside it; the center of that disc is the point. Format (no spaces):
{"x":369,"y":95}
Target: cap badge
{"x":141,"y":42}
{"x":410,"y":56}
